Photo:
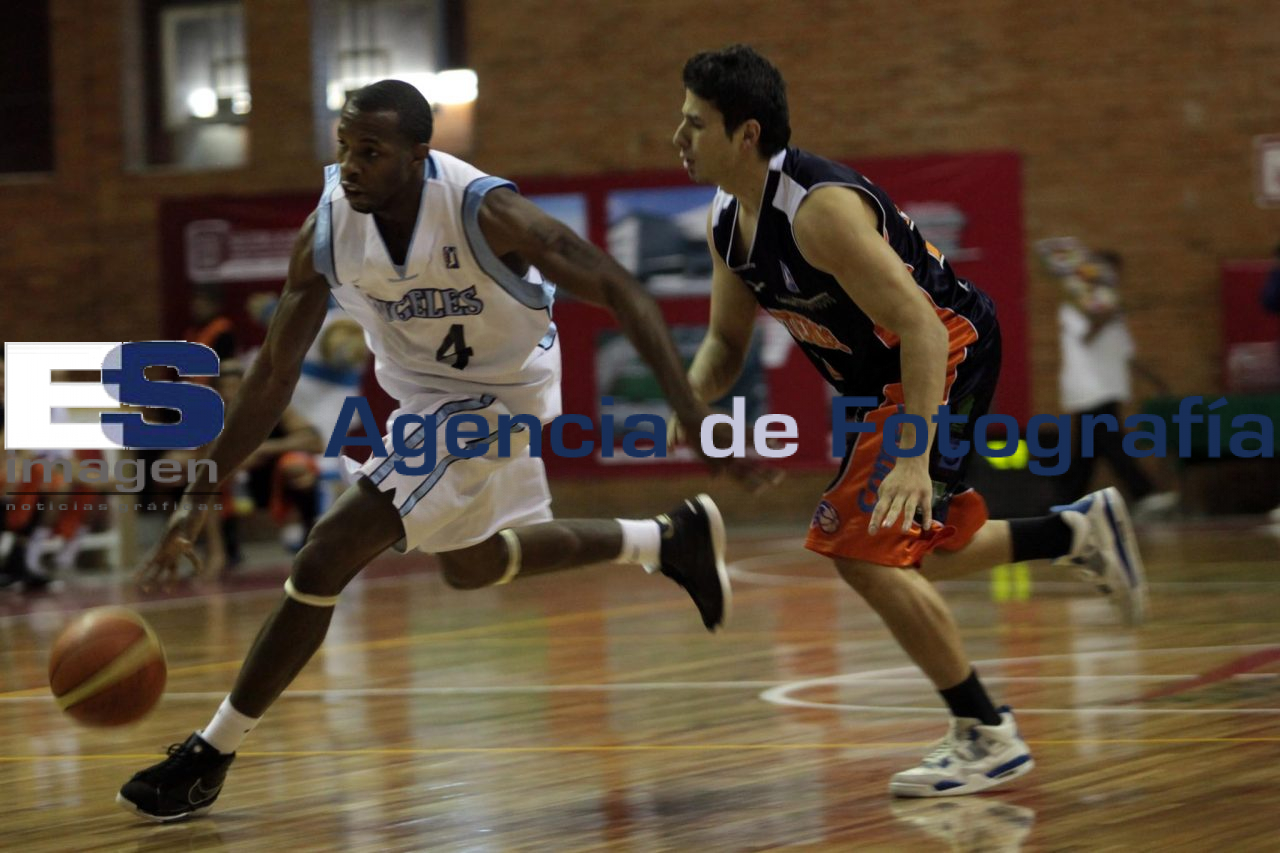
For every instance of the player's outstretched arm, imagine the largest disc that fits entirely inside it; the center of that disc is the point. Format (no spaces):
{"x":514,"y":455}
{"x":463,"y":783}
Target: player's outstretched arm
{"x":839,"y":234}
{"x":263,"y":397}
{"x":514,"y":225}
{"x":269,"y":382}
{"x":723,"y":351}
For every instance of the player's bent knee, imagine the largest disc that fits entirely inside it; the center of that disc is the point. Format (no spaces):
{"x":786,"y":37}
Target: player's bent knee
{"x":475,"y":567}
{"x":867,"y":579}
{"x":314,"y":576}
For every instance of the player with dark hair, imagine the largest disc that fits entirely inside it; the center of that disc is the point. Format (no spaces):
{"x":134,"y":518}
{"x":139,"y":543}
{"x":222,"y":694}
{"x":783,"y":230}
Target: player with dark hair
{"x":442,"y":266}
{"x":881,"y":314}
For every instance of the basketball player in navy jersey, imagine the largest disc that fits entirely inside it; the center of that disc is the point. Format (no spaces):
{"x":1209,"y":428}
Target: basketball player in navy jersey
{"x":442,"y":266}
{"x":880,"y":313}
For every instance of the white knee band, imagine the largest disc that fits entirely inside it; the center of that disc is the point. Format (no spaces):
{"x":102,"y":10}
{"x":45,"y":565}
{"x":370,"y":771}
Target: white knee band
{"x":310,"y":600}
{"x":513,"y":556}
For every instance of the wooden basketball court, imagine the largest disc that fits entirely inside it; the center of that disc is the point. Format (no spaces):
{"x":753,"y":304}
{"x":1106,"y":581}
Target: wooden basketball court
{"x":589,"y":711}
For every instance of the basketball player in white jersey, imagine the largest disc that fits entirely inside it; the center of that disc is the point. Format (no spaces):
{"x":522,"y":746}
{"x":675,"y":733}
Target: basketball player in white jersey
{"x":433,"y":258}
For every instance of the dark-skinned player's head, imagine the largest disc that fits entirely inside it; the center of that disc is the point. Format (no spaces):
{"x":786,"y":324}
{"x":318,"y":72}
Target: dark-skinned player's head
{"x":384,"y":137}
{"x":741,"y":95}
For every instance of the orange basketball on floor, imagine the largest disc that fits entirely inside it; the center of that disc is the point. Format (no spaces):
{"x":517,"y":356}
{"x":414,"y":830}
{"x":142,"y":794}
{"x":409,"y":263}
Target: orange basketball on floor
{"x":107,"y":667}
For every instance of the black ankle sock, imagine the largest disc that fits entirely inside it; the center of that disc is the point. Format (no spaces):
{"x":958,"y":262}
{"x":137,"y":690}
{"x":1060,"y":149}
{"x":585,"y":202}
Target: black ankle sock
{"x":969,"y":699}
{"x":1045,"y":538}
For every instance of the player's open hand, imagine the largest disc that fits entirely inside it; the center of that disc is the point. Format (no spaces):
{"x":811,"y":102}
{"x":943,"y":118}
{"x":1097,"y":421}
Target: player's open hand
{"x":161,"y":566}
{"x":905,"y":489}
{"x":676,"y":434}
{"x":751,"y":473}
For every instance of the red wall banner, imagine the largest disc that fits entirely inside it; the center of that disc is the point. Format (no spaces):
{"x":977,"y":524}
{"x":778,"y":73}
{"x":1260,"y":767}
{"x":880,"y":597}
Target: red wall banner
{"x":1250,"y":335}
{"x":969,"y":205}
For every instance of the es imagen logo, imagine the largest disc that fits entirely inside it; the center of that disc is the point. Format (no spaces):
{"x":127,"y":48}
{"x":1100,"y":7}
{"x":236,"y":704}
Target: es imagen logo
{"x":31,"y":395}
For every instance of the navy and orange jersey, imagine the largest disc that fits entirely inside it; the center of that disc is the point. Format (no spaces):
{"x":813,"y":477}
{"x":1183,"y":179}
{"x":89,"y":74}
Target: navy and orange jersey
{"x":857,"y":357}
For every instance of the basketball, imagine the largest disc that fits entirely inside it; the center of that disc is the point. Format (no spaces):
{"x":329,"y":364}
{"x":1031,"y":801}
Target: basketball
{"x":107,"y":667}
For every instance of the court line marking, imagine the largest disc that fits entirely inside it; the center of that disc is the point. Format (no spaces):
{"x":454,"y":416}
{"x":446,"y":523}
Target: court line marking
{"x":701,"y":747}
{"x":1242,"y":665}
{"x":781,"y":695}
{"x":607,"y":687}
{"x":757,"y":578}
{"x":745,"y":570}
{"x":908,"y":677}
{"x":530,"y":623}
{"x":547,"y":621}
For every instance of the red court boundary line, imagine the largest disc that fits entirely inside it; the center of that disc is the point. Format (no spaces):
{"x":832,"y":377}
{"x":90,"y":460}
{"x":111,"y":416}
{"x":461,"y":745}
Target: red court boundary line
{"x":1247,"y":663}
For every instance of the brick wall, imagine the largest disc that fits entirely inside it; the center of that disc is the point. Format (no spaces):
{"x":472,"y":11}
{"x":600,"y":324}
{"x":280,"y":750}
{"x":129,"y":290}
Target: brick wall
{"x":1134,"y":120}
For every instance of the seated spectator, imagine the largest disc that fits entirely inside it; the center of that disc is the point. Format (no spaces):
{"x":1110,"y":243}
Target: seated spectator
{"x":281,"y":476}
{"x":332,"y":370}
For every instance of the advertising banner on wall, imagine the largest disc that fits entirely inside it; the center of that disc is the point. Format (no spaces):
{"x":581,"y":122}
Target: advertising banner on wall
{"x":1250,"y":334}
{"x":968,"y":205}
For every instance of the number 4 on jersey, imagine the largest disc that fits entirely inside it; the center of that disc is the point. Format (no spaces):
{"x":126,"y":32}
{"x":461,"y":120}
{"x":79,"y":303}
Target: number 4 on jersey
{"x":453,"y":349}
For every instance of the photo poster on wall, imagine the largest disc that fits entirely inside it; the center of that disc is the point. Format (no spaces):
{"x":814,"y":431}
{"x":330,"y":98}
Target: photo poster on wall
{"x":658,"y":235}
{"x":1250,"y":332}
{"x":628,"y":387}
{"x":967,"y":204}
{"x":569,"y":208}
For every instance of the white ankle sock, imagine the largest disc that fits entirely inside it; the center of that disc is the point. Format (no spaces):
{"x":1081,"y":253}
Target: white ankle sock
{"x":641,"y":541}
{"x":228,"y":728}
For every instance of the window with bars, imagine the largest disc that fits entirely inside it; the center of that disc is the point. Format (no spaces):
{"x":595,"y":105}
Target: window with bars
{"x":195,"y":84}
{"x":419,"y":41}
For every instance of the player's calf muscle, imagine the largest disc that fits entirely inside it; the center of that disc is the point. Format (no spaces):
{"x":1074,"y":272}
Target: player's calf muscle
{"x":475,"y":567}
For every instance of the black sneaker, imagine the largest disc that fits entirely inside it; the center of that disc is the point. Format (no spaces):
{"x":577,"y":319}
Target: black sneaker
{"x":692,"y":555}
{"x":183,"y":785}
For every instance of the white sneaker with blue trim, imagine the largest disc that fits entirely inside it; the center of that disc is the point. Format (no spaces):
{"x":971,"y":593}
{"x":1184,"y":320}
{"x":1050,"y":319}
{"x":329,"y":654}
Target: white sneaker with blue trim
{"x":971,"y":758}
{"x":1104,"y":551}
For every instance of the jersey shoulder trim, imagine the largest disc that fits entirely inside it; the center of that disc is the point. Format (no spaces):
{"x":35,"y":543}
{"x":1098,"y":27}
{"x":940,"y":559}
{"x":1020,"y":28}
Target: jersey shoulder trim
{"x":322,"y":245}
{"x":529,"y":294}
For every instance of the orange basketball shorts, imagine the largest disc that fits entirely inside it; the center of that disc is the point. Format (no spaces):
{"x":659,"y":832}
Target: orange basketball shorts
{"x":839,"y":525}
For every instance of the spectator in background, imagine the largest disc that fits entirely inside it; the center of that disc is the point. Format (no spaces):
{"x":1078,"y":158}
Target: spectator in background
{"x":1094,"y":380}
{"x":26,"y":527}
{"x":210,"y":325}
{"x":17,"y":524}
{"x":281,"y":475}
{"x":41,"y":514}
{"x":332,"y":370}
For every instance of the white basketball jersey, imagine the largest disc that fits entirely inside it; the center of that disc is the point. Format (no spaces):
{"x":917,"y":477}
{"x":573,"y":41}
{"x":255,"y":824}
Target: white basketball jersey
{"x":453,"y":317}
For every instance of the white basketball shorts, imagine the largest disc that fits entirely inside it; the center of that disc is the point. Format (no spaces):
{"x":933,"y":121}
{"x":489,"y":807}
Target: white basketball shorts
{"x":454,"y":502}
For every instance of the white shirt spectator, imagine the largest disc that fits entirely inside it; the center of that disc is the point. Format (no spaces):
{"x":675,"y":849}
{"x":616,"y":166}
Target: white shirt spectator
{"x":1093,"y":372}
